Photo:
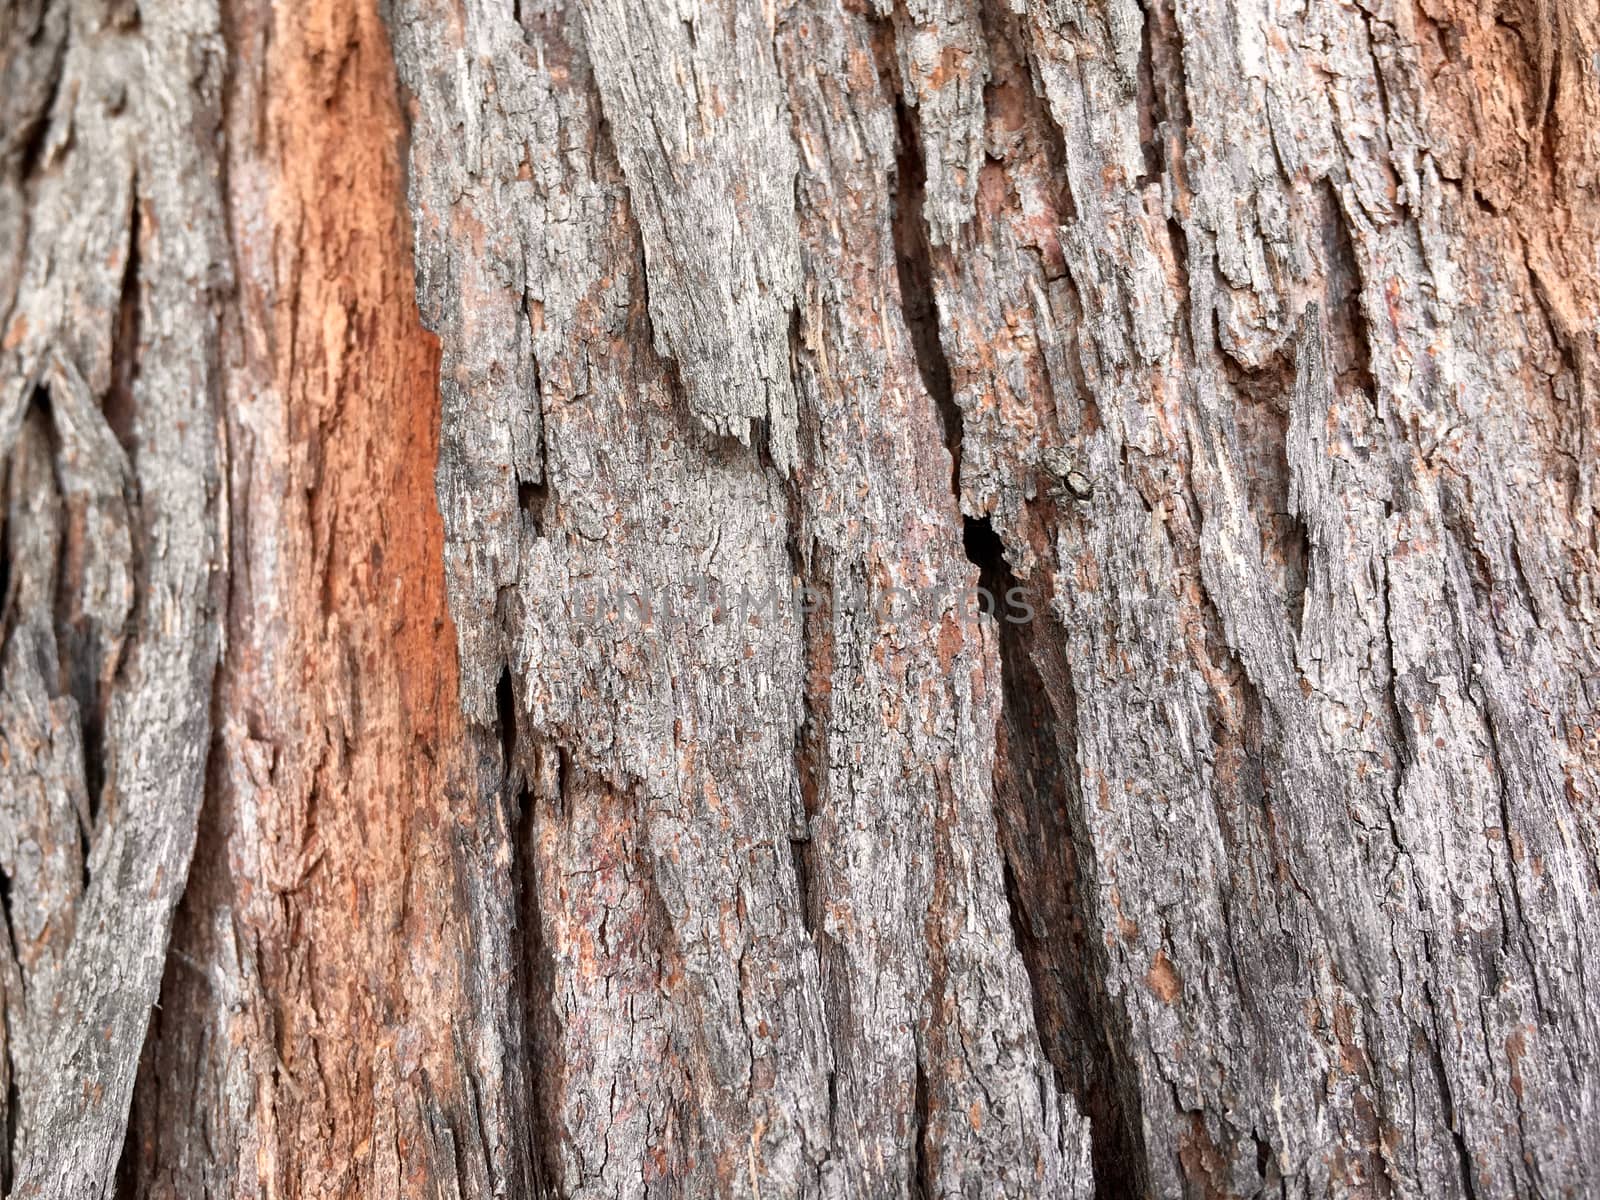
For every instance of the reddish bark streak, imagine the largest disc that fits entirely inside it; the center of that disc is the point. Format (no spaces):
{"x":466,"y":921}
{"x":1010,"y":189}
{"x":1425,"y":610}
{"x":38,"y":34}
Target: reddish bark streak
{"x":341,"y":740}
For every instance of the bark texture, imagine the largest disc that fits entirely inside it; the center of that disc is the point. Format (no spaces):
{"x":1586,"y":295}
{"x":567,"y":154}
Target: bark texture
{"x":503,"y":487}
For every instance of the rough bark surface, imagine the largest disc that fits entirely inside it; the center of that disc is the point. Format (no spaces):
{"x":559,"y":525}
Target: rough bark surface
{"x":504,"y":486}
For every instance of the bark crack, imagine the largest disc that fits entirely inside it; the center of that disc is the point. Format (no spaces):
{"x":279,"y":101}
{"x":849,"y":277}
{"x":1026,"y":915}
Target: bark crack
{"x":1035,"y":774}
{"x":1045,"y":849}
{"x":915,"y":273}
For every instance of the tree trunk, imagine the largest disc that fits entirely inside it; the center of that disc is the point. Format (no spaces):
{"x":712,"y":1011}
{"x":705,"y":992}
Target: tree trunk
{"x":837,"y":598}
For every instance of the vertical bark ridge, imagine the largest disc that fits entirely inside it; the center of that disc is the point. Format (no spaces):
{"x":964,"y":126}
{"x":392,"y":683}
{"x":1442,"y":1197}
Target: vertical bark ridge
{"x":110,"y":630}
{"x":1209,"y":372}
{"x":1150,"y":384}
{"x":1029,"y":787}
{"x":350,"y":804}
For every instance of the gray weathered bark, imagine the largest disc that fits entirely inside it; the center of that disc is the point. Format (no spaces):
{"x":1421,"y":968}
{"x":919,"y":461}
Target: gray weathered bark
{"x":504,"y":485}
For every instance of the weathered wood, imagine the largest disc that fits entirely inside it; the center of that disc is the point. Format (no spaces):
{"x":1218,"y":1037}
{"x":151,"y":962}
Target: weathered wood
{"x":335,"y":1015}
{"x":112,"y":620}
{"x":527,"y":467}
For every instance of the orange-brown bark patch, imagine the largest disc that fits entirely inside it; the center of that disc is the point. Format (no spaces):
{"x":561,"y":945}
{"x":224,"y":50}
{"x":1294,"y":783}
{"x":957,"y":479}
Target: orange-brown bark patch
{"x":341,"y":658}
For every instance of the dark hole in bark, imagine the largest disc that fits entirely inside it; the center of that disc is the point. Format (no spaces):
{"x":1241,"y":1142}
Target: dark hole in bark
{"x":506,"y":714}
{"x":531,"y":498}
{"x":986,"y":552}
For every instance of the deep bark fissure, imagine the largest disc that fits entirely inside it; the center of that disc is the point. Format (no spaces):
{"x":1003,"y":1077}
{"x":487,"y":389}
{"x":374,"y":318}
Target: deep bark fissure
{"x":1011,"y":72}
{"x":1083,"y":1056}
{"x":811,"y":738}
{"x":922,"y":1171}
{"x":9,"y":1124}
{"x":6,"y":598}
{"x":1168,"y":96}
{"x":1349,"y":333}
{"x":118,"y":404}
{"x":74,"y":647}
{"x":1152,"y":107}
{"x":1463,"y":1153}
{"x":26,"y":145}
{"x":537,"y":985}
{"x":1038,"y":802}
{"x":533,"y":787}
{"x":533,"y":495}
{"x":506,"y":728}
{"x":915,"y":275}
{"x":13,"y":1114}
{"x":1261,"y":423}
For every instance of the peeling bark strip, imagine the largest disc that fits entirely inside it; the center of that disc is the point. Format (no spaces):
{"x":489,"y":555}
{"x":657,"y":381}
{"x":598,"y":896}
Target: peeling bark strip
{"x":1253,"y":348}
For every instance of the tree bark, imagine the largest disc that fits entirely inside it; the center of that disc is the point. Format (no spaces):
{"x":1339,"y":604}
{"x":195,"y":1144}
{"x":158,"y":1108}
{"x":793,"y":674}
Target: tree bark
{"x":837,"y":598}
